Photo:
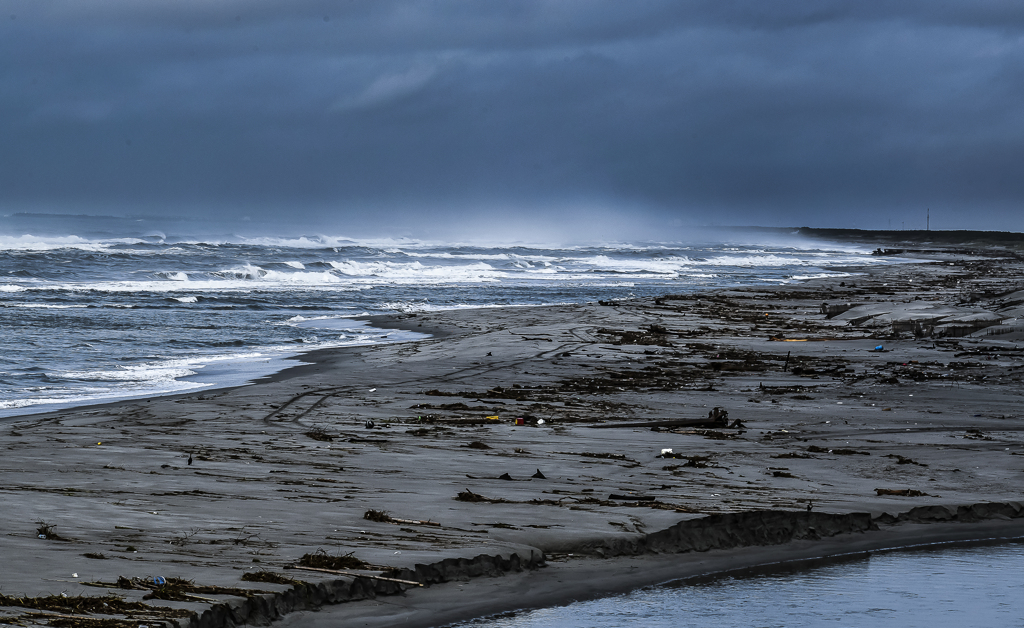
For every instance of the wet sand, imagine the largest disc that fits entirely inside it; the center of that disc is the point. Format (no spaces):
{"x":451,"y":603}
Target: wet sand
{"x":289,"y":466}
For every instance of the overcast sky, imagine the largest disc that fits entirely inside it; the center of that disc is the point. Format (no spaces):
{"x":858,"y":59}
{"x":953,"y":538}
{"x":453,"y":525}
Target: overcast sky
{"x":421,"y":115}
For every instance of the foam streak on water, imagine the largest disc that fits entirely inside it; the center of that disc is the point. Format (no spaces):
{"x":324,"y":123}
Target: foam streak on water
{"x":101,"y":319}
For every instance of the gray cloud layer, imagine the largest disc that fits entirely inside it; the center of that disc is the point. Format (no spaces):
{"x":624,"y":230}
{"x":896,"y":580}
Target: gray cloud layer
{"x":784,"y":113}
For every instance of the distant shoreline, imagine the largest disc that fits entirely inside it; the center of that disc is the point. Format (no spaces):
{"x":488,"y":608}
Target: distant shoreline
{"x":876,"y":237}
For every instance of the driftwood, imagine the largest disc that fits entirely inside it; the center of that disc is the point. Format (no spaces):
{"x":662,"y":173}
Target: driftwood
{"x":669,"y":423}
{"x":716,"y":418}
{"x":416,"y":522}
{"x":355,"y":575}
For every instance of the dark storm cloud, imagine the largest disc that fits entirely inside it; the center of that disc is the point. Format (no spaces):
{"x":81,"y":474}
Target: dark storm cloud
{"x":823,"y":113}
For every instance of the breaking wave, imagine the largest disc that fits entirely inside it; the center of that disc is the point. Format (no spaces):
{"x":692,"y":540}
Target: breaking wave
{"x":102,"y":319}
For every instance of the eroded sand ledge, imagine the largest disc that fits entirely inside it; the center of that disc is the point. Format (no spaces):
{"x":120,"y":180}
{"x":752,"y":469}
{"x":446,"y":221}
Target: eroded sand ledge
{"x":933,"y":421}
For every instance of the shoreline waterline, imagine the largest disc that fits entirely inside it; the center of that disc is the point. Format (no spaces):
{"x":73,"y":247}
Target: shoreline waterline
{"x":796,"y":587}
{"x":563,"y":582}
{"x":224,"y":372}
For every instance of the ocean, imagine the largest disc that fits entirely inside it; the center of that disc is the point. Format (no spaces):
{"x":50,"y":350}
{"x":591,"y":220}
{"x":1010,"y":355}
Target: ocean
{"x":947,"y":586}
{"x":96,"y":319}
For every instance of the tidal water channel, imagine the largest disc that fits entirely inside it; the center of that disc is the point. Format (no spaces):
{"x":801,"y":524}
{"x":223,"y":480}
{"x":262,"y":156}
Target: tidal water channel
{"x":955,"y":586}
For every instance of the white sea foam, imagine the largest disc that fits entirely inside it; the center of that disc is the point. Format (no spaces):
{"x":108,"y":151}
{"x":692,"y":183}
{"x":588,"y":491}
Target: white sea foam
{"x":251,"y":272}
{"x":227,"y":286}
{"x":179,"y":375}
{"x":346,"y":323}
{"x":303,"y":319}
{"x":474,"y":255}
{"x":84,"y":396}
{"x":186,"y":299}
{"x":144,"y":373}
{"x":298,"y":265}
{"x":409,"y":306}
{"x":821,"y":276}
{"x":36,"y":243}
{"x":399,"y":272}
{"x":174,"y":275}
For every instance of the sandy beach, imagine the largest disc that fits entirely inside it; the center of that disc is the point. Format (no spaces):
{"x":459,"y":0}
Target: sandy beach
{"x":529,"y":456}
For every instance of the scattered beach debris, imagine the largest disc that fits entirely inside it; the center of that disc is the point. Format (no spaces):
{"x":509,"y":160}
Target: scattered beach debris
{"x":102,"y":604}
{"x":653,"y":335}
{"x":604,"y":456}
{"x":498,"y":524}
{"x":382,"y":516}
{"x":632,"y":498}
{"x":379,"y":516}
{"x":180,"y":590}
{"x":469,"y":496}
{"x":48,"y":531}
{"x":712,"y":434}
{"x":172,"y":589}
{"x":538,"y":475}
{"x":477,"y":445}
{"x":322,"y":560}
{"x":693,"y":462}
{"x":270,"y":578}
{"x":904,"y":460}
{"x":318,"y":432}
{"x":900,"y":492}
{"x":340,"y":572}
{"x":719,"y":420}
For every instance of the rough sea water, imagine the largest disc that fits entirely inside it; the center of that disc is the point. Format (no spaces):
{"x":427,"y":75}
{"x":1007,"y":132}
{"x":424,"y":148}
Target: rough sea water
{"x":88,"y":320}
{"x":979,"y":587}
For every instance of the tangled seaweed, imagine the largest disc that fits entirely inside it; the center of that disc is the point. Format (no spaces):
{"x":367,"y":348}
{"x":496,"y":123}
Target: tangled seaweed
{"x":322,"y":560}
